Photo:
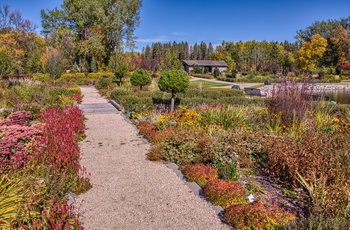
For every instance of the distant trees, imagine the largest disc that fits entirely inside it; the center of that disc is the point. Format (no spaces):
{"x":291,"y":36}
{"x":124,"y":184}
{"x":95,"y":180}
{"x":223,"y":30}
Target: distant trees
{"x":91,"y":35}
{"x":20,"y":47}
{"x":329,"y":30}
{"x":173,"y":81}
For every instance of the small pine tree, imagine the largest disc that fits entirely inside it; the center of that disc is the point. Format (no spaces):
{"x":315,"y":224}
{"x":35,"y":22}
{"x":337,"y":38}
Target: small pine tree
{"x":120,"y":72}
{"x":216,"y":72}
{"x":173,"y":81}
{"x":140,"y":77}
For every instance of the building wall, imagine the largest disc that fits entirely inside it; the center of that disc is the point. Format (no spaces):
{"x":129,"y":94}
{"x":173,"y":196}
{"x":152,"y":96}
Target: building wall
{"x":221,"y":69}
{"x":189,"y":69}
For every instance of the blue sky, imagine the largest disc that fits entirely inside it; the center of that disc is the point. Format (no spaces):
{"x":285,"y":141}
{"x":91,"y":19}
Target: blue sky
{"x":215,"y":20}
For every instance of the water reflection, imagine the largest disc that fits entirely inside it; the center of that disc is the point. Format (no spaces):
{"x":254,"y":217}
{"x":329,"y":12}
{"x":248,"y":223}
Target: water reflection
{"x":340,"y":96}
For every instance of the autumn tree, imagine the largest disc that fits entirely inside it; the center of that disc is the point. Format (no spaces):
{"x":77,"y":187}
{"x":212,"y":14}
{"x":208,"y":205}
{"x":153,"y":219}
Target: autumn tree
{"x":17,"y":36}
{"x":101,"y":28}
{"x":311,"y":51}
{"x":323,"y":28}
{"x":140,"y":77}
{"x":340,"y":42}
{"x":173,"y":81}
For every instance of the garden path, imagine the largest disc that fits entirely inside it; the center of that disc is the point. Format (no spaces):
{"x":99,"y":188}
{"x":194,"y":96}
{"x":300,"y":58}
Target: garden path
{"x":130,"y":192}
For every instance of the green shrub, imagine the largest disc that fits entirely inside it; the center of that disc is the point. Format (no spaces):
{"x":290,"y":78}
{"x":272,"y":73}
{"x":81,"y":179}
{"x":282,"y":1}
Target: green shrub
{"x":103,"y":83}
{"x":225,"y":193}
{"x":206,"y":76}
{"x":199,"y":173}
{"x":140,"y":77}
{"x":135,"y":103}
{"x":216,"y":72}
{"x":41,"y":77}
{"x":95,"y":76}
{"x":77,"y":78}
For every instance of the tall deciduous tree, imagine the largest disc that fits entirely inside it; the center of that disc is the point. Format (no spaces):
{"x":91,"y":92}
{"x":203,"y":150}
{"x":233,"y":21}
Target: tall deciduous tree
{"x":173,"y":81}
{"x":101,"y":28}
{"x":341,"y":45}
{"x":310,"y":52}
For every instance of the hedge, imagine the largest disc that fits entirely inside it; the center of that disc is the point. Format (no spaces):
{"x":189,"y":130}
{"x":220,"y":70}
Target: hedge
{"x":141,"y":101}
{"x":77,"y":78}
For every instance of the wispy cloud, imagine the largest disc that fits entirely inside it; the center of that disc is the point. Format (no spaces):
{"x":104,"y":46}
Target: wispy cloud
{"x":161,"y":38}
{"x":179,"y":33}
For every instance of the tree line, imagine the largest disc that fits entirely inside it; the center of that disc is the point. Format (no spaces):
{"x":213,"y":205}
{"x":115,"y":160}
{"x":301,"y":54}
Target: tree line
{"x":92,"y":36}
{"x":323,"y":46}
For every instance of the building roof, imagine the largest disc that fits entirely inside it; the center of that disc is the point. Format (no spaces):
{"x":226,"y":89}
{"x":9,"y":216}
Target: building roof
{"x":205,"y":63}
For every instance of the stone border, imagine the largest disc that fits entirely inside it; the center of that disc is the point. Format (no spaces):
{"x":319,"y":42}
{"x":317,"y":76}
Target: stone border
{"x":116,"y":105}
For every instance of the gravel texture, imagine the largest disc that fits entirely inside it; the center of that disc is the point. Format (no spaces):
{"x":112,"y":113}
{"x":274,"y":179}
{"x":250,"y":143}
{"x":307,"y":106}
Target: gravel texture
{"x":130,"y":192}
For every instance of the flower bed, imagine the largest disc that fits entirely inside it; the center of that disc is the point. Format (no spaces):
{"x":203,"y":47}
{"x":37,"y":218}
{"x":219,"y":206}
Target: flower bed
{"x":39,"y":164}
{"x":278,"y":138}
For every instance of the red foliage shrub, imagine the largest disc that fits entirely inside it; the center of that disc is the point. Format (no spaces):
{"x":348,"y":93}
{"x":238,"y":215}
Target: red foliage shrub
{"x":58,"y":146}
{"x":199,"y":173}
{"x":225,"y":193}
{"x":258,"y":215}
{"x":345,"y":66}
{"x":77,"y":97}
{"x":22,"y":118}
{"x":58,"y":216}
{"x":152,"y":133}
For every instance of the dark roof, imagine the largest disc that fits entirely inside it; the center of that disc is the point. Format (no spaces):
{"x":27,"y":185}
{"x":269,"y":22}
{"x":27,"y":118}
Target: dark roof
{"x":205,"y":63}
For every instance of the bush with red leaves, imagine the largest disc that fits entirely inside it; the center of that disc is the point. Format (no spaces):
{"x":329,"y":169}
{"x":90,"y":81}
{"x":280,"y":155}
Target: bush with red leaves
{"x":258,"y":215}
{"x":225,"y":193}
{"x":199,"y":173}
{"x":58,"y":145}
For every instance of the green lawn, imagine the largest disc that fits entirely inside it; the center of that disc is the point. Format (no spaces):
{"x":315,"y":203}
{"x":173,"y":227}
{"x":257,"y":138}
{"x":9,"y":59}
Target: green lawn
{"x":207,"y":83}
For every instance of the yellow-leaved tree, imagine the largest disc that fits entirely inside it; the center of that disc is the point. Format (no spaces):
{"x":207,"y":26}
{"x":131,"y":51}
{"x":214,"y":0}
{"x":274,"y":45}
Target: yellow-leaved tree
{"x":311,"y":51}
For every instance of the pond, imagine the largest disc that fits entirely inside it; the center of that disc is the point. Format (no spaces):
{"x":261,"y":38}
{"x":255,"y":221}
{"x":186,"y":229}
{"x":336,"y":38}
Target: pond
{"x":340,"y":96}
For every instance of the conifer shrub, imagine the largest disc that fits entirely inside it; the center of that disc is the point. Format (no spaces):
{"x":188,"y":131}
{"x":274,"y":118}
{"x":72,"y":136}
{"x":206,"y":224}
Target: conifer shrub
{"x":103,"y":83}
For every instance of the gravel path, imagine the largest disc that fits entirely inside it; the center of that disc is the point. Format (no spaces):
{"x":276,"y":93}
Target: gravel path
{"x":130,"y":192}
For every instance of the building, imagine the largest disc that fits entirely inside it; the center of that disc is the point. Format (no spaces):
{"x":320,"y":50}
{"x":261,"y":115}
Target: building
{"x":204,"y":65}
